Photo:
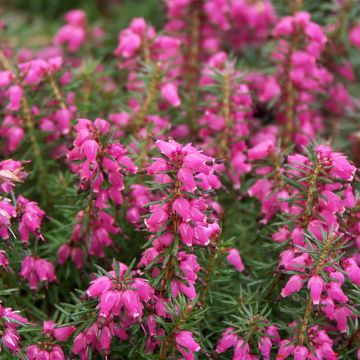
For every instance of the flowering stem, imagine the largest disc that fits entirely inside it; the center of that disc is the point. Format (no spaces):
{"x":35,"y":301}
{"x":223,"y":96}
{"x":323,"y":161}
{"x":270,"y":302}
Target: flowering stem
{"x":152,"y":93}
{"x":56,"y":91}
{"x":209,"y":270}
{"x":324,"y":255}
{"x":290,"y":109}
{"x":169,"y":341}
{"x":226,"y":90}
{"x":193,"y":58}
{"x":310,"y":197}
{"x":296,"y":5}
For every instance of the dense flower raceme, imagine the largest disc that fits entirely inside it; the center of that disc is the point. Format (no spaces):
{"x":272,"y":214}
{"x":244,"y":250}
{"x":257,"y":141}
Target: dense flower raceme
{"x":315,"y":194}
{"x":226,"y":118}
{"x":27,"y":213}
{"x":101,"y":166}
{"x":301,"y":42}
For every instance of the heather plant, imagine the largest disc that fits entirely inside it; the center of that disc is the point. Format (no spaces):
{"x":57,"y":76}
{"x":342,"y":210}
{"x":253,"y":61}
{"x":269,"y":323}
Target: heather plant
{"x":181,"y":186}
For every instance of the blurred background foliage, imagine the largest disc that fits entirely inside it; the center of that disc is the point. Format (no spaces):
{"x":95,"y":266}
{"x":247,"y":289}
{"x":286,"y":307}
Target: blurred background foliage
{"x":33,"y":23}
{"x":122,"y":10}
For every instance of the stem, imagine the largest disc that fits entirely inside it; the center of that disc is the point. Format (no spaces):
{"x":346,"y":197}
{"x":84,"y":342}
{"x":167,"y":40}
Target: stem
{"x":169,"y":341}
{"x":86,"y":90}
{"x":139,"y":120}
{"x":146,"y":49}
{"x":56,"y":91}
{"x":175,"y":223}
{"x":296,"y":5}
{"x":226,"y":105}
{"x":193,"y":57}
{"x":310,"y":197}
{"x":209,"y":271}
{"x":289,"y":103}
{"x":322,"y":260}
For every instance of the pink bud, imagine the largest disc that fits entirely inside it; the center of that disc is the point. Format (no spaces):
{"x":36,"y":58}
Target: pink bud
{"x":353,"y":271}
{"x":79,"y":344}
{"x":294,"y":284}
{"x":5,"y":78}
{"x":170,"y":94}
{"x":262,"y":150}
{"x":187,"y":178}
{"x":63,"y":333}
{"x":77,"y":256}
{"x":133,"y":306}
{"x":63,"y":253}
{"x":184,"y":339}
{"x":15,"y":94}
{"x":234,"y":259}
{"x":90,"y":148}
{"x":108,"y":301}
{"x":315,"y":285}
{"x":354,"y":36}
{"x":335,"y":292}
{"x":300,"y":353}
{"x":182,"y":207}
{"x":99,"y":286}
{"x":10,"y":340}
{"x":228,"y":340}
{"x":187,"y":233}
{"x":285,"y":350}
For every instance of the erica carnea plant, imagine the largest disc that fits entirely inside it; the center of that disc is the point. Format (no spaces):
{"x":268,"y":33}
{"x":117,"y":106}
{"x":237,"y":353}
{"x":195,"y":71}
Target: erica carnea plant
{"x":185,"y":188}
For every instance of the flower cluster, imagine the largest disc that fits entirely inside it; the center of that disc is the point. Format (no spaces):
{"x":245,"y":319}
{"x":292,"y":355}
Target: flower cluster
{"x":121,"y":297}
{"x":47,"y":349}
{"x":11,"y":321}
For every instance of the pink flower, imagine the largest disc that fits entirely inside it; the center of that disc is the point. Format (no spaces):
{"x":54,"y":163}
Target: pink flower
{"x":76,"y":17}
{"x":315,"y":285}
{"x":10,"y":339}
{"x":285,"y":350}
{"x":353,"y":270}
{"x":50,"y":328}
{"x":262,"y":150}
{"x":170,"y":94}
{"x":73,"y":36}
{"x":35,"y":270}
{"x":234,"y":259}
{"x":354,"y":36}
{"x":114,"y":294}
{"x":182,"y":207}
{"x":228,"y":340}
{"x":300,"y":353}
{"x":129,"y":43}
{"x":15,"y":94}
{"x":186,"y":344}
{"x":294,"y":284}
